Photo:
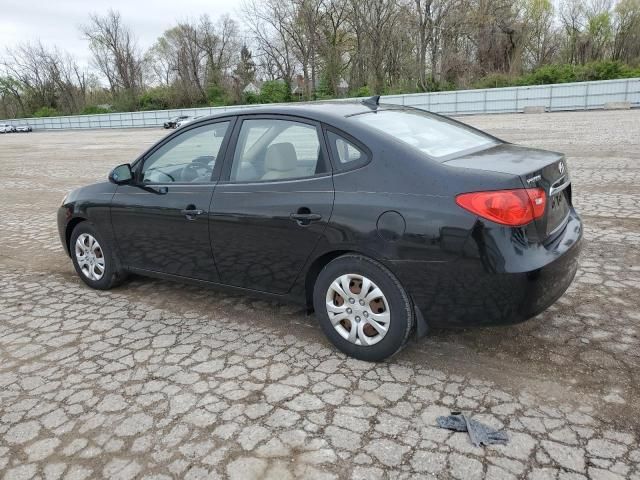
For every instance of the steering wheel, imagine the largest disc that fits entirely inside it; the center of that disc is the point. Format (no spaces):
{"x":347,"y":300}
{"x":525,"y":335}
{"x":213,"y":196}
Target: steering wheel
{"x":204,"y":160}
{"x":163,"y":173}
{"x":193,"y":172}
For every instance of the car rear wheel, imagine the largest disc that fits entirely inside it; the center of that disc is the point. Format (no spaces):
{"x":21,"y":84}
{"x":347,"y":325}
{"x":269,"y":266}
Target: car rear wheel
{"x":362,"y":308}
{"x":93,"y":258}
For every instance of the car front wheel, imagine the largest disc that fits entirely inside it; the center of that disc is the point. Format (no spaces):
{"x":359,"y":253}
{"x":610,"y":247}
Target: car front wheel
{"x":362,"y":308}
{"x":93,"y":258}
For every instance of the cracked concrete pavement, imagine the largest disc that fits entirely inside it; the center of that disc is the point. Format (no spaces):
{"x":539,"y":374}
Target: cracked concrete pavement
{"x":161,"y":380}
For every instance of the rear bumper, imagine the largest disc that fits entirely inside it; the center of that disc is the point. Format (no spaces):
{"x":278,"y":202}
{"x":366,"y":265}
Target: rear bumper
{"x":499,"y":280}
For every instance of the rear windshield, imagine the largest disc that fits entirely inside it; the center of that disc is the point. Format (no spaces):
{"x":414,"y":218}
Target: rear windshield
{"x":436,"y":136}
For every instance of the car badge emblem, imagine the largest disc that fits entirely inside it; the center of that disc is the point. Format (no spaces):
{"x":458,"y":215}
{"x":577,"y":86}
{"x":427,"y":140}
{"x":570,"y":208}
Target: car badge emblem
{"x":534,"y":179}
{"x":561,"y":167}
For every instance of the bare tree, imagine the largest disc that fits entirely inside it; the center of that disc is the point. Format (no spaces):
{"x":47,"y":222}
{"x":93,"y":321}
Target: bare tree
{"x":115,"y":53}
{"x":626,"y":45}
{"x":161,"y":62}
{"x":44,"y":77}
{"x":25,"y":63}
{"x":191,"y":59}
{"x":431,"y":23}
{"x":269,"y":23}
{"x":333,"y":41}
{"x":69,"y":80}
{"x":374,"y":23}
{"x":572,"y":16}
{"x":220,"y":45}
{"x":305,"y":35}
{"x":11,"y":98}
{"x":540,"y":36}
{"x":193,"y":56}
{"x":497,"y":36}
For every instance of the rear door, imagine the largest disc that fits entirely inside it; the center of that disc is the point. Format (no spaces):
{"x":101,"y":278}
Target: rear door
{"x":274,"y":203}
{"x":161,"y":221}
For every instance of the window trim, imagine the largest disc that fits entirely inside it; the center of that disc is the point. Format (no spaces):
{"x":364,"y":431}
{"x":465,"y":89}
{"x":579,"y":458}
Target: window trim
{"x":338,"y":166}
{"x":225,"y":177}
{"x":217,"y":168}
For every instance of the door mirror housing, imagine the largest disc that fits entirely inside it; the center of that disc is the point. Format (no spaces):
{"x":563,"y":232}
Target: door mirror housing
{"x":121,"y":175}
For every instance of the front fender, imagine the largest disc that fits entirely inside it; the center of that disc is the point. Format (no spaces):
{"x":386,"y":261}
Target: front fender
{"x":91,"y":203}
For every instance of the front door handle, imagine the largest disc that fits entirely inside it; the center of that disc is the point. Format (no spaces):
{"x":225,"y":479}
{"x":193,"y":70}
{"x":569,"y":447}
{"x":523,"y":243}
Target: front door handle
{"x":305,"y":218}
{"x":191,"y":212}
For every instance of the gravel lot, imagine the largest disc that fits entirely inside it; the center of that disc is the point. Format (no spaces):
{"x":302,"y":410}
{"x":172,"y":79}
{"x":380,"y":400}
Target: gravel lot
{"x":159,"y":380}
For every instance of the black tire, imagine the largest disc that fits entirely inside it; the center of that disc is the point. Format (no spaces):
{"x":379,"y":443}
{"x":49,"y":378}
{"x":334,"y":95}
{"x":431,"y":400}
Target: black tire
{"x":401,"y":311}
{"x":112,"y":275}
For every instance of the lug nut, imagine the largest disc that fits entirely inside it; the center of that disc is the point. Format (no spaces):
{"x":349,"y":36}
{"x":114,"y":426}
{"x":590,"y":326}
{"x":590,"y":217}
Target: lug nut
{"x":349,"y":310}
{"x":352,"y":300}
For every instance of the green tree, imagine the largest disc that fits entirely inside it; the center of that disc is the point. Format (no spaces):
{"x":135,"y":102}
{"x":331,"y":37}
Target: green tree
{"x":275,"y":91}
{"x":600,"y":34}
{"x":46,"y":112}
{"x":539,"y":34}
{"x":93,"y":110}
{"x":158,"y":98}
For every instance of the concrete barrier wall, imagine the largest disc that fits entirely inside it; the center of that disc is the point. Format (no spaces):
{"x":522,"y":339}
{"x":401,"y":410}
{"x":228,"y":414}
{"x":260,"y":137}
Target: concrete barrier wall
{"x":557,"y":97}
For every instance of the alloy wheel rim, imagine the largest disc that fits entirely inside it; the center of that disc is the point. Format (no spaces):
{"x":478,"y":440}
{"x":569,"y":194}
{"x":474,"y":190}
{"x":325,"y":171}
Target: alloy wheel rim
{"x":90,"y":257}
{"x":358,"y":309}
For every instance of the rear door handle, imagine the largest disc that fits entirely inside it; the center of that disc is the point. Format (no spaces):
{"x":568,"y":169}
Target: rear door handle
{"x":305,"y":218}
{"x":191,"y":213}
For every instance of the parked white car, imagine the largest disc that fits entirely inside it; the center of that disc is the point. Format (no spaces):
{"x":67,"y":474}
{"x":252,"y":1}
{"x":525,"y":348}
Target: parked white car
{"x":23,"y":129}
{"x":184,"y":121}
{"x":6,"y":128}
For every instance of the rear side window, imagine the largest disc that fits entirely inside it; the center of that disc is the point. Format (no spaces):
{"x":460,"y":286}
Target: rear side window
{"x":436,"y":136}
{"x":274,"y":150}
{"x":347,"y":153}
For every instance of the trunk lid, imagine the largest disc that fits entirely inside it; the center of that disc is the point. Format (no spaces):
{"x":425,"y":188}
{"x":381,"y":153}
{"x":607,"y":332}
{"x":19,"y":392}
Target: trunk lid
{"x":536,"y":168}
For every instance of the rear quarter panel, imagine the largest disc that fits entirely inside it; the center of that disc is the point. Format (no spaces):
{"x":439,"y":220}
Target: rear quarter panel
{"x":422,"y":191}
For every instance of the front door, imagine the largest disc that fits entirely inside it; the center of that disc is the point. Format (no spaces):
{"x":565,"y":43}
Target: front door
{"x":276,"y":201}
{"x":161,"y":221}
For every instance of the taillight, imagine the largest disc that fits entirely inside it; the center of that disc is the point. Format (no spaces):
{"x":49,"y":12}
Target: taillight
{"x":507,"y":207}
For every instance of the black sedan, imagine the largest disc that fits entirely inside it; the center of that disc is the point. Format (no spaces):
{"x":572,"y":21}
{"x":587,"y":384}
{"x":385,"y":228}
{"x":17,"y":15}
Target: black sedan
{"x":385,"y":220}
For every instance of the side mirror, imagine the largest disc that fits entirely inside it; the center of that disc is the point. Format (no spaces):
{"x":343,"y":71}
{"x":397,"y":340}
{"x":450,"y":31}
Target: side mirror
{"x":121,"y":174}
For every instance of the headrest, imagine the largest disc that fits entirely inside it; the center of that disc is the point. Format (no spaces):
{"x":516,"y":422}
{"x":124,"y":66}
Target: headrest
{"x":281,"y":157}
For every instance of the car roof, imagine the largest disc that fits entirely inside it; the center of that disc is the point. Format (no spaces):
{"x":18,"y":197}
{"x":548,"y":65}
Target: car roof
{"x":328,"y":111}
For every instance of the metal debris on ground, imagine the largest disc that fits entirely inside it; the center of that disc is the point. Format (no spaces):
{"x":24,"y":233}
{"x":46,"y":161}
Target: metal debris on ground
{"x":479,"y":433}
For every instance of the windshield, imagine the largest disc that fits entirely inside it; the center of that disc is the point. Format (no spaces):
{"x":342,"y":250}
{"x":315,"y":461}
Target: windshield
{"x":436,"y":136}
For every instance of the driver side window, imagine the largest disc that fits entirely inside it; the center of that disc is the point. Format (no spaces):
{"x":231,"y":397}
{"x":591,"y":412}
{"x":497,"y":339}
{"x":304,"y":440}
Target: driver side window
{"x":189,"y":157}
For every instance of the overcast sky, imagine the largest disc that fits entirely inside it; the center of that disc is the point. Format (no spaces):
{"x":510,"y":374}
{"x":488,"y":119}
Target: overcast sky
{"x":56,"y":22}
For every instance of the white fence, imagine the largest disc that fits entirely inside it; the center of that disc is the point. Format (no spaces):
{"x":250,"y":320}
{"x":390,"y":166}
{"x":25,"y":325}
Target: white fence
{"x":557,"y":97}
